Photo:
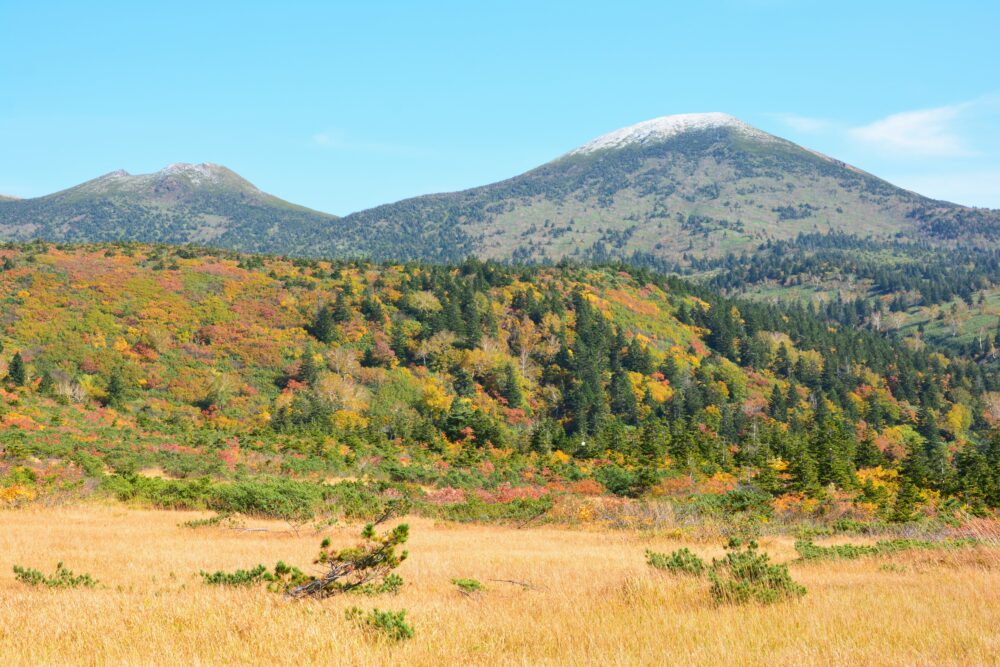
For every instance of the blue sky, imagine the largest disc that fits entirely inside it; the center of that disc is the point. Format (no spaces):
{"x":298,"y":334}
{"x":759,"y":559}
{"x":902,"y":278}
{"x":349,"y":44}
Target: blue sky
{"x":341,"y":106}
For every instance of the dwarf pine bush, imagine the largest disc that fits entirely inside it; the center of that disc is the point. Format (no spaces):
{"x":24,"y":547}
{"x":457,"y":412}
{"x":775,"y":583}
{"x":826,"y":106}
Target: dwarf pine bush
{"x":61,"y":578}
{"x":468,"y":586}
{"x":390,"y":624}
{"x":366,"y":567}
{"x":811,"y":551}
{"x":747,"y":575}
{"x":682,"y":561}
{"x":279,"y":579}
{"x":238,"y":578}
{"x":391,"y":584}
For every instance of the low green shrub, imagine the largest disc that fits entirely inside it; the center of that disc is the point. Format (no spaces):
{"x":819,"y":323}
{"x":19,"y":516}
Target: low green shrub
{"x":278,"y":579}
{"x":390,"y":584}
{"x":264,"y":497}
{"x":61,"y":578}
{"x":747,"y":575}
{"x":238,"y":578}
{"x":809,"y":551}
{"x":390,"y":624}
{"x":270,"y":498}
{"x":163,"y":493}
{"x":682,"y":561}
{"x":468,"y":586}
{"x":476,"y":510}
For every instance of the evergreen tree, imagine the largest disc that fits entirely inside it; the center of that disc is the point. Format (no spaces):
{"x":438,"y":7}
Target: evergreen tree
{"x":637,"y":358}
{"x":46,"y":386}
{"x":623,"y":403}
{"x":372,"y":309}
{"x":324,"y":326}
{"x":654,"y":440}
{"x":308,"y":369}
{"x":510,"y":387}
{"x":341,"y":308}
{"x":868,"y":454}
{"x":777,"y":407}
{"x":907,"y":500}
{"x":17,"y":373}
{"x":116,"y":392}
{"x":783,"y":362}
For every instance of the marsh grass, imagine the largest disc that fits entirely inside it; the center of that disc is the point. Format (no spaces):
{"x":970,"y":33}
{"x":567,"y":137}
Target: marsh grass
{"x":590,"y":599}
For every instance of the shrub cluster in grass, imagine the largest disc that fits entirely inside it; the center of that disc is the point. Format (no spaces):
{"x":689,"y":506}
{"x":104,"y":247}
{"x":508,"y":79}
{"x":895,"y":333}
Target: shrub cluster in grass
{"x":61,"y":578}
{"x":682,"y":561}
{"x":273,"y":498}
{"x":747,"y":575}
{"x":468,"y":586}
{"x":163,"y":493}
{"x":810,"y":551}
{"x":474,"y":509}
{"x":389,"y":624}
{"x":278,"y":579}
{"x":390,"y":584}
{"x":743,"y":575}
{"x":266,"y":497}
{"x":295,"y":500}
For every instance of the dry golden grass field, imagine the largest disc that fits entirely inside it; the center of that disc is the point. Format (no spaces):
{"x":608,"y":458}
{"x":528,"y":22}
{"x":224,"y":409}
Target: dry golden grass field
{"x":592,"y":601}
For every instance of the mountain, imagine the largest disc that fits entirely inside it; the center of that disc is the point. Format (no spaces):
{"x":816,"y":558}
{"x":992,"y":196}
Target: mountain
{"x":664,"y":192}
{"x":698,"y":185}
{"x":183,"y":203}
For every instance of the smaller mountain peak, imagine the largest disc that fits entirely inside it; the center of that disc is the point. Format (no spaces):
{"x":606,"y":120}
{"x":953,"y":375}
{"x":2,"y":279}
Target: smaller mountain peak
{"x":665,"y":127}
{"x":117,"y":173}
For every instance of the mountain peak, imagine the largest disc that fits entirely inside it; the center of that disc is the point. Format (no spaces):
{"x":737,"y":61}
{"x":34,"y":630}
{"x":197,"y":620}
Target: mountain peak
{"x":187,"y":168}
{"x":205,"y":172}
{"x":665,"y":127}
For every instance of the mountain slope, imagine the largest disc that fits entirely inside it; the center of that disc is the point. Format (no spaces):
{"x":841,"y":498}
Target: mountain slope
{"x":693,"y":184}
{"x":194,"y":363}
{"x":661,"y":192}
{"x":183,"y":203}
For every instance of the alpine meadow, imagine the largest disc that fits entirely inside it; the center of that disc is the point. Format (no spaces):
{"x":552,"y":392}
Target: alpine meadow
{"x":687,"y":392}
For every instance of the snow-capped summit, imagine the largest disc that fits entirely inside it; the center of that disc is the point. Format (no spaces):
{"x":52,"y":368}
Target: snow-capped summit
{"x":665,"y":127}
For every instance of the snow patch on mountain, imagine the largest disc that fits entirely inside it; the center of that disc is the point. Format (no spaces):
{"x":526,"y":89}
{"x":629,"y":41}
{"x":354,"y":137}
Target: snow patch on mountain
{"x":665,"y":127}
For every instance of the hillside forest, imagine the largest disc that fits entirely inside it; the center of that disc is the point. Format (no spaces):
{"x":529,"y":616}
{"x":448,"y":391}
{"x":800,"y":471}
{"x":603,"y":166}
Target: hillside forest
{"x":196,"y":378}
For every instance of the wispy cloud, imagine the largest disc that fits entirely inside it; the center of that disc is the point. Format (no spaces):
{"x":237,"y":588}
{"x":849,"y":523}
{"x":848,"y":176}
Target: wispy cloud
{"x":949,"y":152}
{"x":924,"y":132}
{"x":936,"y":132}
{"x":336,"y":139}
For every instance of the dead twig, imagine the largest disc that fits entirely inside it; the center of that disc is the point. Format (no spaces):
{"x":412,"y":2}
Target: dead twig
{"x":524,"y":584}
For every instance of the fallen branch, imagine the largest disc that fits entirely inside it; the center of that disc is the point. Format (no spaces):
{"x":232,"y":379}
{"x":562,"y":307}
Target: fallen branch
{"x":516,"y":583}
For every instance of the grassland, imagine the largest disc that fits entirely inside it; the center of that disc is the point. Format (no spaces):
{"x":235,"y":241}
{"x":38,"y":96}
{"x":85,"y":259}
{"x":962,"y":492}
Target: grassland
{"x":592,"y":600}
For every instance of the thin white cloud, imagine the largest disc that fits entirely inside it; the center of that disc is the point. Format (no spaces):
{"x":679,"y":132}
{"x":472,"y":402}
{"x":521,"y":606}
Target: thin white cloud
{"x":924,"y":132}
